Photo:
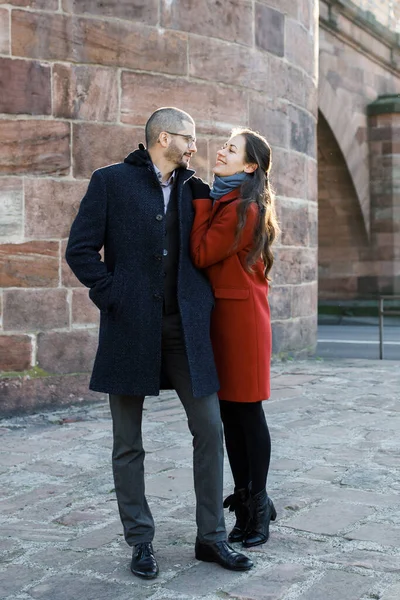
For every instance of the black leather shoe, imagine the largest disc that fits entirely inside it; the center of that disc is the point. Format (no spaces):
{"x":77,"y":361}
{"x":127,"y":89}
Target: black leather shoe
{"x":223,"y":554}
{"x":144,"y":563}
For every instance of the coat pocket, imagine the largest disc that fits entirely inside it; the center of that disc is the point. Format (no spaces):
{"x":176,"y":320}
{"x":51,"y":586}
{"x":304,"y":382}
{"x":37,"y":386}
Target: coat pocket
{"x":117,"y":291}
{"x":232,"y":293}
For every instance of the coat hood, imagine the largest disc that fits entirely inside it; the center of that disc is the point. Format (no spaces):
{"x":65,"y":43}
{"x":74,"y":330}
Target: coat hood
{"x":139,"y":158}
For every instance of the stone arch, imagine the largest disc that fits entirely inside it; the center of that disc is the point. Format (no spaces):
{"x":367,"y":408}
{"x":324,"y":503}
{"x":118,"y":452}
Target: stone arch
{"x":349,"y":127}
{"x":343,"y":247}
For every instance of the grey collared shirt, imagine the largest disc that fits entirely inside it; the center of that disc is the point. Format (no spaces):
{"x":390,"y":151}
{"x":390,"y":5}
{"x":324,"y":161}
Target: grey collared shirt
{"x":166,"y":186}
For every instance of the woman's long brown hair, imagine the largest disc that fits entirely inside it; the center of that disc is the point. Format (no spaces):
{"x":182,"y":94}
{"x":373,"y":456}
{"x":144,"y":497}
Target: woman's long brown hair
{"x":257,"y":190}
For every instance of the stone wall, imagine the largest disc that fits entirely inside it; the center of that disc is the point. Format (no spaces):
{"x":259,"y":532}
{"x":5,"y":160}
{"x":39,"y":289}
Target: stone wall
{"x":359,"y":61}
{"x":81,"y":78}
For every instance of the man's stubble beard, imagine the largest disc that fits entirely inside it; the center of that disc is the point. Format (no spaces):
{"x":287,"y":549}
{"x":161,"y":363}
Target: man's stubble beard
{"x":176,"y":156}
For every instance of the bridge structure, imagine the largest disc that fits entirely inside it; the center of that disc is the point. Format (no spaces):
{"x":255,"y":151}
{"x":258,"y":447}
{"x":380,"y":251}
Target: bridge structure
{"x":321,"y":80}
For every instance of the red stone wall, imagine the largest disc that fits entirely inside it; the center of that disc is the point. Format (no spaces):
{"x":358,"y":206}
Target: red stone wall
{"x":357,"y":63}
{"x":78,"y":81}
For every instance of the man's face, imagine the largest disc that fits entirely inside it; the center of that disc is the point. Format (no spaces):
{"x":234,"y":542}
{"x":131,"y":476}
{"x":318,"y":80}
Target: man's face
{"x":182,"y":145}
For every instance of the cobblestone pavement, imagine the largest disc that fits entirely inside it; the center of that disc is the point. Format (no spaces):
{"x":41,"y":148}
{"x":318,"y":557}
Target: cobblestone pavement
{"x":334,"y":479}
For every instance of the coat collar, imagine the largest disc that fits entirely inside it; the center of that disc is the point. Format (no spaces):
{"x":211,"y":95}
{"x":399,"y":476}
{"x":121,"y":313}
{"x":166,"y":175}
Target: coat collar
{"x":141,"y":158}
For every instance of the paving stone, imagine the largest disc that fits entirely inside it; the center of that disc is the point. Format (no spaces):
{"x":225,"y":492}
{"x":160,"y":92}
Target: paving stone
{"x":99,"y":537}
{"x":18,"y":502}
{"x":365,"y":559}
{"x":202,"y":578}
{"x":271,"y":584}
{"x":16,"y":577}
{"x":35,"y":532}
{"x":55,"y":558}
{"x":329,"y":517}
{"x":393,"y":593}
{"x":339,"y":584}
{"x":370,"y":479}
{"x":65,"y":587}
{"x":287,"y":545}
{"x":324,"y":473}
{"x":172,"y":484}
{"x":381,"y":533}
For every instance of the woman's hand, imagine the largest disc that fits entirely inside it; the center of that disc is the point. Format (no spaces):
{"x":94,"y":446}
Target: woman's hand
{"x":200,"y":189}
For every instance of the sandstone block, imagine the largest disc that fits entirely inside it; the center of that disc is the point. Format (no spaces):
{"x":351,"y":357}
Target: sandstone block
{"x":270,"y":29}
{"x":302,"y":132}
{"x":280,"y":299}
{"x":109,"y":43}
{"x":83,"y":92}
{"x":4,"y":31}
{"x":35,"y":310}
{"x":288,"y":173}
{"x":293,"y":218}
{"x":305,"y":14}
{"x":230,"y":20}
{"x":32,"y":264}
{"x":35,"y":4}
{"x":83,"y":309}
{"x":213,"y":107}
{"x":299,"y":49}
{"x":287,"y":7}
{"x":28,"y":87}
{"x":289,"y":81}
{"x":290,"y":335}
{"x":31,"y":394}
{"x":11,"y":209}
{"x":214,"y":60}
{"x":312,"y":179}
{"x":90,"y":152}
{"x":294,"y":265}
{"x":15,"y":352}
{"x":273,"y":122}
{"x":67,"y":352}
{"x":143,"y":11}
{"x":51,"y":206}
{"x":304,"y":300}
{"x":40,"y":147}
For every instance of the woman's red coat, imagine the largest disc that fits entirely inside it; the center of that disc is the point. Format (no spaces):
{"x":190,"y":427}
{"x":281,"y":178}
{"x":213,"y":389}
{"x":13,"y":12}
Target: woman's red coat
{"x":240,"y":323}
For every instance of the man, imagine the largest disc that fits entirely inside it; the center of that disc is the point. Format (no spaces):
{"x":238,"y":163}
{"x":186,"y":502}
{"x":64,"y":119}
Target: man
{"x":154,"y":329}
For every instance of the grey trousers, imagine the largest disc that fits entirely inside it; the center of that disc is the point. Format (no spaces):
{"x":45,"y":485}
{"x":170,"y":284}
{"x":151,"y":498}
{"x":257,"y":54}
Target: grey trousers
{"x":205,"y":425}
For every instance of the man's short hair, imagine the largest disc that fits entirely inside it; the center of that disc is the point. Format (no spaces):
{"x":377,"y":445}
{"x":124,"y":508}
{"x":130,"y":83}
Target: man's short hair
{"x":167,"y":118}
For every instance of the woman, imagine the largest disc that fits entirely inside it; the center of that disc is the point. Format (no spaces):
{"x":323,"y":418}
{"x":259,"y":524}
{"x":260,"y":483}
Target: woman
{"x":231,"y":238}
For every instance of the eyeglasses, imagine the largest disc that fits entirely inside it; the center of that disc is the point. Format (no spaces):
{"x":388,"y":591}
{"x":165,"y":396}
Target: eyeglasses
{"x":191,"y":141}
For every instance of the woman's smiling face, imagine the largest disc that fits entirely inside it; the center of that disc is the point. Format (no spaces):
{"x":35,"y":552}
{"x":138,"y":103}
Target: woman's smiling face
{"x":231,"y":158}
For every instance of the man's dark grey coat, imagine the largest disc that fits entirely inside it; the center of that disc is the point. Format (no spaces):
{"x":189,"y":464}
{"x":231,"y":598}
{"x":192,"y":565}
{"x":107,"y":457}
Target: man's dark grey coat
{"x":123,"y":210}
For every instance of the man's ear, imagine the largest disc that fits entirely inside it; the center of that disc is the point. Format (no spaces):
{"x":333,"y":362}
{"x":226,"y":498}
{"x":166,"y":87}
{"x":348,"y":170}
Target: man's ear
{"x":250,"y":168}
{"x":163,"y":139}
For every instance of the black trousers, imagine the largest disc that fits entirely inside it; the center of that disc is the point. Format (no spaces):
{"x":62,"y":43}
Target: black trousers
{"x":248,"y":443}
{"x":204,"y":421}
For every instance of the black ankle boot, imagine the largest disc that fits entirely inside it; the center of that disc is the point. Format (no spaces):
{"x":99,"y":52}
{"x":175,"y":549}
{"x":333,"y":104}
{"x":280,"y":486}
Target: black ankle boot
{"x":239,"y":502}
{"x":262,"y":512}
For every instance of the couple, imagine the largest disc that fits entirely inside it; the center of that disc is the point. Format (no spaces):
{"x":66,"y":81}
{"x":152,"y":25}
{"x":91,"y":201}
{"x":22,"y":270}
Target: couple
{"x":166,"y":238}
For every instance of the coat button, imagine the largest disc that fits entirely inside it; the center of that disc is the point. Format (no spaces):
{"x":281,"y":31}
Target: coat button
{"x":158,"y":296}
{"x":159,"y":217}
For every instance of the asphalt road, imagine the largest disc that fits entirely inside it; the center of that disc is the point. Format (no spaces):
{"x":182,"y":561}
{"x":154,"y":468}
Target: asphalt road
{"x":357,"y":341}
